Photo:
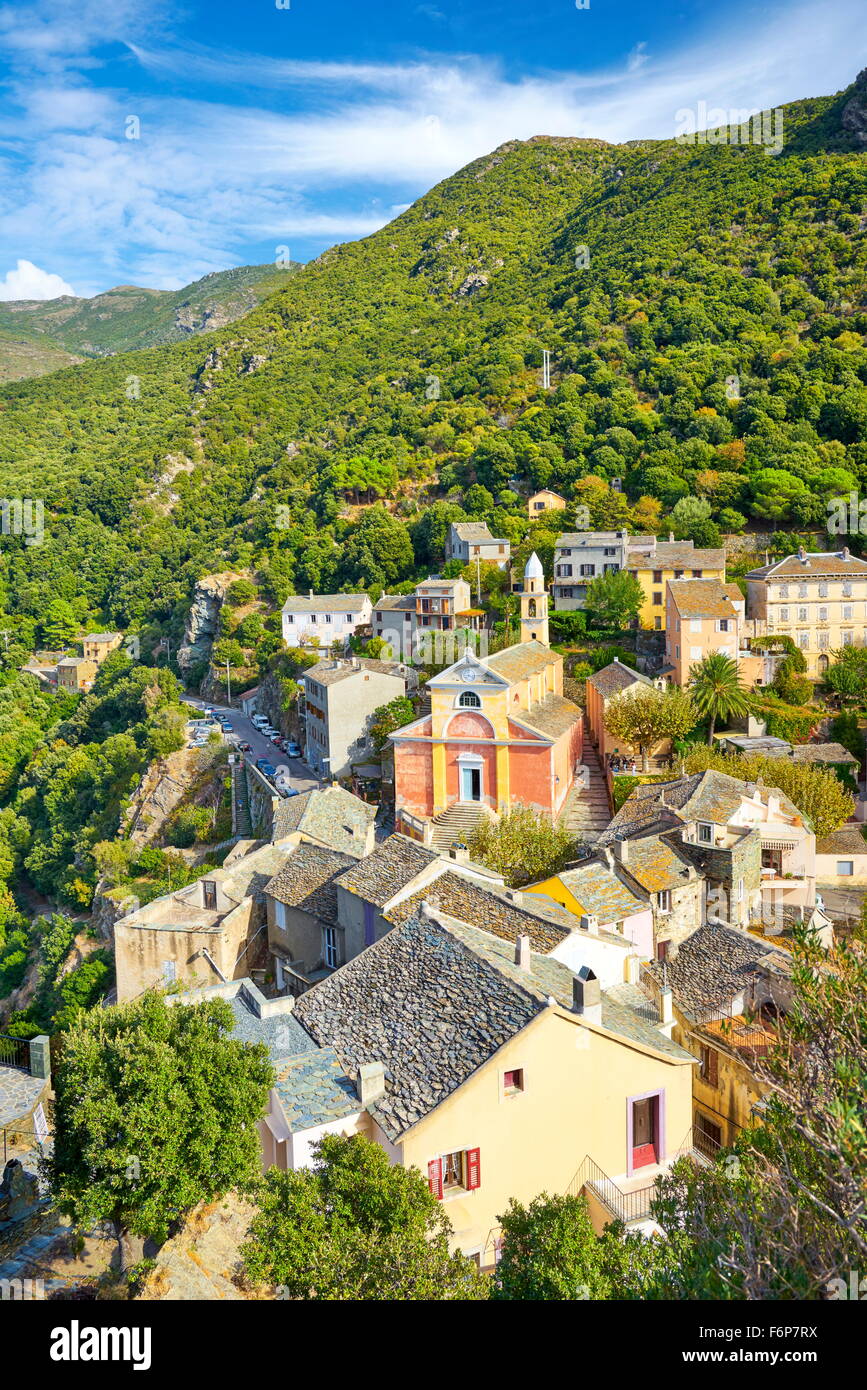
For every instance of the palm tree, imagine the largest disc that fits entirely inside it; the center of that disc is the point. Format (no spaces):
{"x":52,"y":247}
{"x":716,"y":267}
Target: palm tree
{"x":716,"y":689}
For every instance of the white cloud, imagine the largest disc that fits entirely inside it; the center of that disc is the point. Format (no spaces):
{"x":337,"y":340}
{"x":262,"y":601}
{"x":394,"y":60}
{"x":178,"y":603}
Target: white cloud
{"x":27,"y":281}
{"x":295,"y":149}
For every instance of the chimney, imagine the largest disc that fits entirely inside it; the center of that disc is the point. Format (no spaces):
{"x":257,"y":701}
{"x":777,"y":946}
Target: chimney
{"x":608,"y":856}
{"x":620,"y":850}
{"x":671,"y":537}
{"x":590,"y":924}
{"x":522,"y":951}
{"x":802,"y":555}
{"x":586,"y":995}
{"x":515,"y":896}
{"x":666,"y":1007}
{"x":844,"y":554}
{"x":460,"y":854}
{"x":311,"y":593}
{"x":371,"y":1082}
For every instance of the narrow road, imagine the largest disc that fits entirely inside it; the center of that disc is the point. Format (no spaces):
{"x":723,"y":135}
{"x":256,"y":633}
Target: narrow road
{"x":245,"y":731}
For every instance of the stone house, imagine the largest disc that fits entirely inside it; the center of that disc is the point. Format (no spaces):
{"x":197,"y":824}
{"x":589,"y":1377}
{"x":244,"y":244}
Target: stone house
{"x":305,"y":938}
{"x":453,"y":1049}
{"x":468,"y":541}
{"x":208,"y":931}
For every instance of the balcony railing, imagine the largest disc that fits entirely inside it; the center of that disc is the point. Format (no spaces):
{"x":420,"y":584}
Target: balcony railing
{"x":14,"y":1052}
{"x":625,"y":1206}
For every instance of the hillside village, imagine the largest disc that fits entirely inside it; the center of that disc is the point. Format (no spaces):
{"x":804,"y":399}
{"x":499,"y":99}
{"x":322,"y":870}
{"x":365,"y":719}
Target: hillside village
{"x":356,"y":930}
{"x":433,"y":720}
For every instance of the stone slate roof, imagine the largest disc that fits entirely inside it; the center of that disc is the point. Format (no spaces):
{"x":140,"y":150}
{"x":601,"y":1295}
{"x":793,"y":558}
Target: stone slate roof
{"x":99,"y":636}
{"x":600,"y":892}
{"x":392,"y":602}
{"x":330,"y":815}
{"x":522,"y":660}
{"x":705,"y":598}
{"x":281,"y":1034}
{"x":657,"y":863}
{"x":307,"y":881}
{"x":710,"y":795}
{"x":391,"y":867}
{"x":712,"y":967}
{"x":822,"y":753}
{"x":833,"y":562}
{"x":626,"y":1011}
{"x":326,"y":603}
{"x":314,"y":1089}
{"x":428,"y":1007}
{"x":614,"y":678}
{"x":667,"y":555}
{"x":848,"y":840}
{"x":547,"y":924}
{"x":336,"y":669}
{"x":472,"y":531}
{"x":583,"y":540}
{"x":552,"y":717}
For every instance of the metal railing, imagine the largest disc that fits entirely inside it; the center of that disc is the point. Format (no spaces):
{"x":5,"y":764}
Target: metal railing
{"x":14,"y":1052}
{"x":625,"y":1206}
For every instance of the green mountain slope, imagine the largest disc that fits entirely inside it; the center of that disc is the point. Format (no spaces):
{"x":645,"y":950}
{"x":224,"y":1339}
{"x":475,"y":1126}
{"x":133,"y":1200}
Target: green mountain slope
{"x":38,"y":336}
{"x":406,"y":367}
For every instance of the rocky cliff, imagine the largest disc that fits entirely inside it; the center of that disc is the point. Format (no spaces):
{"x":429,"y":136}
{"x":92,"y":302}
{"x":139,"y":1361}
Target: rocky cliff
{"x":203,"y":620}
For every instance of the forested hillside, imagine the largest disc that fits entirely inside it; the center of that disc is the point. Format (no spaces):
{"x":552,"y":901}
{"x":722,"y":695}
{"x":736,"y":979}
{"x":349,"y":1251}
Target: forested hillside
{"x":40,"y":336}
{"x":704,"y":307}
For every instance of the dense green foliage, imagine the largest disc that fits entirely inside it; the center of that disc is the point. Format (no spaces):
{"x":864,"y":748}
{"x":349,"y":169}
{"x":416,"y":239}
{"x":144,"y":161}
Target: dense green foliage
{"x":44,"y":336}
{"x":523,"y":845}
{"x":355,"y":1226}
{"x":413,"y":362}
{"x":155,"y":1110}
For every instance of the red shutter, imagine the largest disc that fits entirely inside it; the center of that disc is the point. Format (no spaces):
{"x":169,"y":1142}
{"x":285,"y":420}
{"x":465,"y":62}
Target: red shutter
{"x":435,"y":1177}
{"x":474,"y":1170}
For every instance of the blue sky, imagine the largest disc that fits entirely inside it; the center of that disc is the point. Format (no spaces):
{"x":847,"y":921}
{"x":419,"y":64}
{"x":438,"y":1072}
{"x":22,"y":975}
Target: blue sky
{"x":262,"y":127}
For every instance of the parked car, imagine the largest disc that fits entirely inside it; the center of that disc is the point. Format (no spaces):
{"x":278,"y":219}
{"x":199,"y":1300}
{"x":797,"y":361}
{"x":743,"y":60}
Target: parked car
{"x":291,"y":749}
{"x":246,"y":747}
{"x":208,"y":712}
{"x":269,"y":770}
{"x":288,"y":791}
{"x":260,"y":763}
{"x":227,"y":727}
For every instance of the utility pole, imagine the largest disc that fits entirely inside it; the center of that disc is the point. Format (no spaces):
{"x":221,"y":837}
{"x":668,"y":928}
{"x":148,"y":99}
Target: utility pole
{"x":546,"y":370}
{"x":478,"y":579}
{"x":228,"y":684}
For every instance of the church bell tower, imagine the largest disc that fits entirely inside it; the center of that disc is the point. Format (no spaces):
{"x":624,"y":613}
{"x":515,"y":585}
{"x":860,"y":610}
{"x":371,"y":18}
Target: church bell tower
{"x":534,"y":603}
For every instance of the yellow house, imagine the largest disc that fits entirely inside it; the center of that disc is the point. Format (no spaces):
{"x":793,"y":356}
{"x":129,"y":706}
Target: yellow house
{"x":76,"y":673}
{"x":495,"y":1071}
{"x":819,"y":601}
{"x":96,"y":646}
{"x":545,"y":501}
{"x":655,"y":563}
{"x":703,"y":616}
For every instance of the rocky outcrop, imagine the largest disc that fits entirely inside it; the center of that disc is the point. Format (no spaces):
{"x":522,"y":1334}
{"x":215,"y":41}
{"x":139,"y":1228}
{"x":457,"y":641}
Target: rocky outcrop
{"x":475,"y":281}
{"x":203,"y":620}
{"x":854,"y":116}
{"x":162,"y":787}
{"x":203,"y":1261}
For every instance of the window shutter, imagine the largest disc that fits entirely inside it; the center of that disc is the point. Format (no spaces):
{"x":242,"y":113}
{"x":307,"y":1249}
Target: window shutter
{"x":474,"y":1170}
{"x":435,"y":1177}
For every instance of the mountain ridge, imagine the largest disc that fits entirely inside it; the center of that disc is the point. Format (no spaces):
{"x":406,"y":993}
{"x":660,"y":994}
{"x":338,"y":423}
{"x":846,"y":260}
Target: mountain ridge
{"x":126,"y":317}
{"x":404,"y":367}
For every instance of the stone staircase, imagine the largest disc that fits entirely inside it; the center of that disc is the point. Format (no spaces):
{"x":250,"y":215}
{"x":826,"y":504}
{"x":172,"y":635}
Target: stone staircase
{"x":586,"y":811}
{"x":457,"y":823}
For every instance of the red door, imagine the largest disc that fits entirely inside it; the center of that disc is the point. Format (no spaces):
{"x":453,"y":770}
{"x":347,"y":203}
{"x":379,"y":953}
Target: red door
{"x":644,"y":1131}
